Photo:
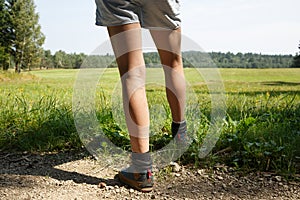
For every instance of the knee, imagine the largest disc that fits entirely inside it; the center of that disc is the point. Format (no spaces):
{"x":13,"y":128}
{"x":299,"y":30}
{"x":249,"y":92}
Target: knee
{"x":172,"y":61}
{"x":134,"y":79}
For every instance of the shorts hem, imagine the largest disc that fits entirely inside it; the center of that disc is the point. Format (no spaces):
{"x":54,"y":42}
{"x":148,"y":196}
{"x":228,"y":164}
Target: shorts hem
{"x":133,"y":22}
{"x":158,"y":27}
{"x":116,"y":24}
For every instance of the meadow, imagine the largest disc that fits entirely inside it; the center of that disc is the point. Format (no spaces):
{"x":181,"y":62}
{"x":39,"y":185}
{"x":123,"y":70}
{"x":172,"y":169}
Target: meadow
{"x":260,"y":131}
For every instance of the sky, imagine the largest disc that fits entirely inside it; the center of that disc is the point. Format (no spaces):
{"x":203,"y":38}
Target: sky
{"x":256,"y":26}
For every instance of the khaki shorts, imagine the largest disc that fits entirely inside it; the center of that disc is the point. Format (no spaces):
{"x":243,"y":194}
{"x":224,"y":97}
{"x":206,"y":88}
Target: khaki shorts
{"x":149,"y":13}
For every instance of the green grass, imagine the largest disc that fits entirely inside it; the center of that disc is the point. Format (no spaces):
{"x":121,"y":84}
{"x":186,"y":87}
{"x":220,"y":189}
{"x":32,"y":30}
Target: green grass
{"x":261,"y":130}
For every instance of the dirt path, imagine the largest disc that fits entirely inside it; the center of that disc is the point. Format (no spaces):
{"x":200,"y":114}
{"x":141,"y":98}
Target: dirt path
{"x":77,"y":176}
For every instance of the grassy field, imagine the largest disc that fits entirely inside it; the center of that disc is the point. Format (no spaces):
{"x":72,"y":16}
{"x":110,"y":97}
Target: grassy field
{"x":261,"y":130}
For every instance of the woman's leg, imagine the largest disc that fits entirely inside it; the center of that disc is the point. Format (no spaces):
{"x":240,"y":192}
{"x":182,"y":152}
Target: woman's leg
{"x":127,"y":44}
{"x":168,"y":43}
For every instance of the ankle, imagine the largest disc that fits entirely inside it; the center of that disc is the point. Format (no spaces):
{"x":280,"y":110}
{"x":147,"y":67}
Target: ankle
{"x":178,"y":127}
{"x":179,"y":122}
{"x":141,"y":161}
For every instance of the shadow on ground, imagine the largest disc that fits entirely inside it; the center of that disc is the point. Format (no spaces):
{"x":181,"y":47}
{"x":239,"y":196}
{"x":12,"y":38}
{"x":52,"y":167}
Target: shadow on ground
{"x":25,"y":164}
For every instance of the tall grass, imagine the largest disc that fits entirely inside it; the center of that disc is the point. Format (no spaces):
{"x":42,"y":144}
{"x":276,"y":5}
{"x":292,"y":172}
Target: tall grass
{"x":262,"y":133}
{"x":35,"y":116}
{"x":45,"y":124}
{"x":261,"y":130}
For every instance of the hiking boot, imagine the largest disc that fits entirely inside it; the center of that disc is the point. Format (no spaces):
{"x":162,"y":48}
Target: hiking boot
{"x":141,"y":181}
{"x":139,"y":174}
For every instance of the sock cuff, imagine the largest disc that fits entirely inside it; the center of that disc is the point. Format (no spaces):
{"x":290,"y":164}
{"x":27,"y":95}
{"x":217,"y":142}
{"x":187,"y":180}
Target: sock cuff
{"x":141,"y":156}
{"x":178,"y":127}
{"x":179,"y":123}
{"x":141,"y":161}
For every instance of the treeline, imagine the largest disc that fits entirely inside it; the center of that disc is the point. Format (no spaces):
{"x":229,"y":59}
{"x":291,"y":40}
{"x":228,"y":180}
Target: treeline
{"x":64,"y":60}
{"x":21,"y":38}
{"x":250,"y":60}
{"x":296,"y":60}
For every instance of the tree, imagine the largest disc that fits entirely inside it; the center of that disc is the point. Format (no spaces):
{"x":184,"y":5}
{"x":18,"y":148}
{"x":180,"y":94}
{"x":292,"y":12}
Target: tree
{"x":78,"y":60}
{"x":61,"y":60}
{"x":296,"y":60}
{"x":6,"y":35}
{"x":28,"y":38}
{"x":47,"y":60}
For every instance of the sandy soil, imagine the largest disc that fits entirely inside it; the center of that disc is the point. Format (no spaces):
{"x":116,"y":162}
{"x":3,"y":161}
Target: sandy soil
{"x":76,"y":175}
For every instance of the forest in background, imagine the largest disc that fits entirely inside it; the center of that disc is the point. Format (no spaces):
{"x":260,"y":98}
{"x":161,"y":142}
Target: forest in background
{"x":191,"y":59}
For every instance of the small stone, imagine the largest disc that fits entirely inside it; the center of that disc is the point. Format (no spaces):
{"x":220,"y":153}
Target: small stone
{"x":201,"y":171}
{"x":220,"y":178}
{"x":278,"y":178}
{"x":109,"y":187}
{"x":153,"y":196}
{"x":131,"y":190}
{"x":267,"y":175}
{"x":224,"y":186}
{"x":102,"y":185}
{"x":175,"y":167}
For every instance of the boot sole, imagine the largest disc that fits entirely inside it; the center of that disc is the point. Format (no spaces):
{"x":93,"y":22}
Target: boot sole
{"x":132,"y":184}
